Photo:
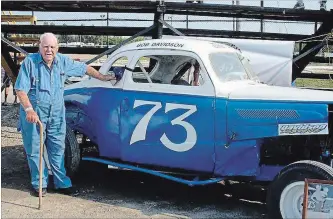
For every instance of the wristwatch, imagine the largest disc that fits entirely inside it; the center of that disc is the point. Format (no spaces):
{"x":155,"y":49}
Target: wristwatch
{"x":28,"y":109}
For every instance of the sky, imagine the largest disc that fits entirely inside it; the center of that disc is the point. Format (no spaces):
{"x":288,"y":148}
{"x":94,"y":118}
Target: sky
{"x":197,"y":22}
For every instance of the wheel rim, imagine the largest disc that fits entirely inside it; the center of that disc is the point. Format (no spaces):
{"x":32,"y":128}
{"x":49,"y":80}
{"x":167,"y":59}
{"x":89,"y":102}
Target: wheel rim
{"x":291,"y":201}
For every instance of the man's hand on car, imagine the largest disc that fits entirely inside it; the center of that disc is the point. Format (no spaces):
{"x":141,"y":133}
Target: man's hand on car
{"x":108,"y":77}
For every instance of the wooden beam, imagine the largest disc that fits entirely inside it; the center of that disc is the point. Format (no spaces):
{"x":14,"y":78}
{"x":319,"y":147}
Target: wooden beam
{"x":20,"y":58}
{"x":19,"y":18}
{"x":8,"y":64}
{"x":24,"y":39}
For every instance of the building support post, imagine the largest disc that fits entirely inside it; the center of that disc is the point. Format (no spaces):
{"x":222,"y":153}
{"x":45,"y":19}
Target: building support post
{"x":261,"y":20}
{"x":8,"y":64}
{"x":314,"y":47}
{"x":159,"y":15}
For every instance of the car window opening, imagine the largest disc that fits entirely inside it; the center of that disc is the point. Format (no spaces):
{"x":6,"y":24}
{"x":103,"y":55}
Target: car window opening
{"x":144,"y":71}
{"x":168,"y":69}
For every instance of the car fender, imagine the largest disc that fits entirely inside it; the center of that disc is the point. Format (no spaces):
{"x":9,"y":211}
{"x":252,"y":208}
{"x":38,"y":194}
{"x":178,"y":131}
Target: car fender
{"x":77,"y":117}
{"x":260,"y":119}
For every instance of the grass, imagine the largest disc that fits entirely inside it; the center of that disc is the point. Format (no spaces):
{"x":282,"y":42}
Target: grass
{"x":315,"y":83}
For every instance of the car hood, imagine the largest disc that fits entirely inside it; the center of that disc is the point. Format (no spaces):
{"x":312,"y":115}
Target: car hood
{"x":249,"y":90}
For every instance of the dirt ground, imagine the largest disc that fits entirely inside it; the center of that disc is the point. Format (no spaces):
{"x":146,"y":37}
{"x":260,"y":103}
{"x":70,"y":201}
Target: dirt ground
{"x":116,"y":194}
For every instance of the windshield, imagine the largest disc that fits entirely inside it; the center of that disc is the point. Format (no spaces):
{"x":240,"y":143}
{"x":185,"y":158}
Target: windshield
{"x":231,"y":67}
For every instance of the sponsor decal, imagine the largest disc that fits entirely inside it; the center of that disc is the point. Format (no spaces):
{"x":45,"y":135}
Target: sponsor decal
{"x":164,"y":44}
{"x":303,"y":129}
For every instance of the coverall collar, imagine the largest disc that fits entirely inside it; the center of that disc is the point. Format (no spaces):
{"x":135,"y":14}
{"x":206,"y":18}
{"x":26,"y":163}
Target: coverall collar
{"x":40,"y":59}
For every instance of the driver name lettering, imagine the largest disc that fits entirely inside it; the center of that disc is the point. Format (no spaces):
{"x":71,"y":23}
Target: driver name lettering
{"x":165,"y":44}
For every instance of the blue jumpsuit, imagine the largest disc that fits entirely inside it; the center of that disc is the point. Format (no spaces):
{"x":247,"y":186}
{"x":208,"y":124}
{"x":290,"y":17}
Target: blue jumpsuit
{"x":45,"y":88}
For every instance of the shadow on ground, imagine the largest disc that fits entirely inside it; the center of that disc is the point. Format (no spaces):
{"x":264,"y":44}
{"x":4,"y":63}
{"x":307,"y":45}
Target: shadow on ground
{"x":9,"y":115}
{"x":144,"y":192}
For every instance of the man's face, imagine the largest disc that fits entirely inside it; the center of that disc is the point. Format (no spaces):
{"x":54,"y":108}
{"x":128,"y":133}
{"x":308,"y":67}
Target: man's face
{"x":48,"y":48}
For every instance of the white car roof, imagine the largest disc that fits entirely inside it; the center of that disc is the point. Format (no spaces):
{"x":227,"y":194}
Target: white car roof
{"x":192,"y":45}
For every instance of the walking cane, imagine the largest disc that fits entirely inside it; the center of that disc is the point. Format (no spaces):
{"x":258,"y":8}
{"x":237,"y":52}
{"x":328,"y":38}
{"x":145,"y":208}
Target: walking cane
{"x":40,"y":163}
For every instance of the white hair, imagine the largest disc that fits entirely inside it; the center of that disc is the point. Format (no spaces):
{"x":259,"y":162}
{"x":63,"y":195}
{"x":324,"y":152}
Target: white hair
{"x":47,"y":35}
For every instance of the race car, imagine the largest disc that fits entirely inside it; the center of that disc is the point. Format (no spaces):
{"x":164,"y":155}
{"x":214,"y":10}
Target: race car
{"x":195,"y":107}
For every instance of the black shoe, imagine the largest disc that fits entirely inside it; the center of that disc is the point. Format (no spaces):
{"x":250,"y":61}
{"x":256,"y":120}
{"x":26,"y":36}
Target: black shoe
{"x":68,"y":191}
{"x":35,"y":192}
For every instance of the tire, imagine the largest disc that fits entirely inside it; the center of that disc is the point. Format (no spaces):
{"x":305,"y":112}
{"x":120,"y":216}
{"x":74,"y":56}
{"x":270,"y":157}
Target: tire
{"x":290,"y":183}
{"x":72,"y":153}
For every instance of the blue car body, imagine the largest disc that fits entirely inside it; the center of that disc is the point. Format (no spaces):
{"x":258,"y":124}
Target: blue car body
{"x":217,"y":133}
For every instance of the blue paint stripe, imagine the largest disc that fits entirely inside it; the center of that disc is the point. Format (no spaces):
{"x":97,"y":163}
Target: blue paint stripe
{"x":176,"y":179}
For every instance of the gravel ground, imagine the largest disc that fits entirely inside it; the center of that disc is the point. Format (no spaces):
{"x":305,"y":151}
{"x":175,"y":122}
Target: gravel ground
{"x":116,"y":194}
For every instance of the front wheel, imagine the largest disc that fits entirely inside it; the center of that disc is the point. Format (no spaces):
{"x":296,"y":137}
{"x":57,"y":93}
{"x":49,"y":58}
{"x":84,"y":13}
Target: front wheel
{"x":72,"y":153}
{"x":285,"y":194}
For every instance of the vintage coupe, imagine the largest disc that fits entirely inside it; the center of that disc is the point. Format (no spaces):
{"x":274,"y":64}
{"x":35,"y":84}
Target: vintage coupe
{"x":192,"y":106}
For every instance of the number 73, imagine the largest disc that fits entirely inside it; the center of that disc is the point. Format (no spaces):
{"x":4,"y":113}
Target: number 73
{"x":140,"y":130}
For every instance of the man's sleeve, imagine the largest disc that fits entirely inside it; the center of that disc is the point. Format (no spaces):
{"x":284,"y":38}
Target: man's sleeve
{"x":74,"y":68}
{"x":23,"y":81}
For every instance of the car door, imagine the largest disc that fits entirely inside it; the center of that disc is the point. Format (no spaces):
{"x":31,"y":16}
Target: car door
{"x":106,"y":111}
{"x":167,"y":123}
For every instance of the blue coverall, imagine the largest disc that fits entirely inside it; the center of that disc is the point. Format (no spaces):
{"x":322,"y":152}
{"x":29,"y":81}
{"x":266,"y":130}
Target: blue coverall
{"x":45,"y":88}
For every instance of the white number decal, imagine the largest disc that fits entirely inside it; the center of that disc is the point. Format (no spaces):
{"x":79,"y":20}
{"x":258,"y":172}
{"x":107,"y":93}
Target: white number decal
{"x":140,"y":130}
{"x":141,"y":127}
{"x":191,"y":136}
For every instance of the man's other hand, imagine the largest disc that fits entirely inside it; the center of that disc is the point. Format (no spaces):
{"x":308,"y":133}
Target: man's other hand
{"x":32,"y":116}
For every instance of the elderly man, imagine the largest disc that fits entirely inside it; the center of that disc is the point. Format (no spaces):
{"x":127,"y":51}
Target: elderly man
{"x":39,"y":87}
